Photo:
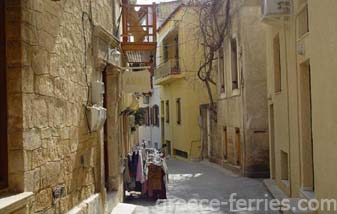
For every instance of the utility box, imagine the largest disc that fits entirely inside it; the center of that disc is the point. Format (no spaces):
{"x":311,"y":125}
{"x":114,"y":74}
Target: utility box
{"x":97,"y":92}
{"x":276,"y":8}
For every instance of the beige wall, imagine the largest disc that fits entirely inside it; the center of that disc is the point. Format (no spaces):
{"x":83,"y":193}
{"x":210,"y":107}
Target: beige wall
{"x":318,"y":47}
{"x":244,"y":108}
{"x":192,"y":92}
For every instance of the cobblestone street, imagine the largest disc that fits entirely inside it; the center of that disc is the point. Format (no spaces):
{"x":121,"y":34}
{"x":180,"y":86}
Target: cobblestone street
{"x":203,"y":180}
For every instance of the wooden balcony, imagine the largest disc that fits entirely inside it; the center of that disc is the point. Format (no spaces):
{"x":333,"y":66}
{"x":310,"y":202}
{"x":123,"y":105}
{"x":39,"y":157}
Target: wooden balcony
{"x":139,"y":38}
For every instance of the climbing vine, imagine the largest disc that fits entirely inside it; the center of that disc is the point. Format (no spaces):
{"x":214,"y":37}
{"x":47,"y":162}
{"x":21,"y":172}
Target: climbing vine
{"x":214,"y":24}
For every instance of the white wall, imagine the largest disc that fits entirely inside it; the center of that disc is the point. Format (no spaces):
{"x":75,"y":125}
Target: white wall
{"x":151,"y":133}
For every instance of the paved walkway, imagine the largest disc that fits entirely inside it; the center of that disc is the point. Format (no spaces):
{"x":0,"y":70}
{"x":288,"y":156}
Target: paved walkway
{"x":203,"y":181}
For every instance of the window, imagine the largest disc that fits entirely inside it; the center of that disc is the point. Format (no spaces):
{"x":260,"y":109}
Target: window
{"x":146,"y":100}
{"x":167,"y":107}
{"x":303,"y":20}
{"x":277,"y":64}
{"x":176,"y":39}
{"x":147,"y":116}
{"x":155,"y":115}
{"x":178,"y":103}
{"x":221,"y":69}
{"x":234,"y":64}
{"x":162,"y":109}
{"x":3,"y":103}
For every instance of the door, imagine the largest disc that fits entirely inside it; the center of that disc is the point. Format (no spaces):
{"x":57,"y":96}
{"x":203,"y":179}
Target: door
{"x":307,"y":151}
{"x":204,"y":131}
{"x":238,"y":146}
{"x":272,"y":141}
{"x":3,"y":101}
{"x":225,"y":144}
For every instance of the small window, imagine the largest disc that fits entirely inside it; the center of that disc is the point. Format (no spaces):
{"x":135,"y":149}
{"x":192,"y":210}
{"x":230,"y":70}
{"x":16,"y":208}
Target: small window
{"x":234,"y":64}
{"x":167,"y":108}
{"x":176,"y":39}
{"x":277,"y":64}
{"x":155,"y":115}
{"x":146,"y":100}
{"x":147,"y":116}
{"x":221,"y":69}
{"x":162,"y":109}
{"x":303,"y":21}
{"x":178,"y":103}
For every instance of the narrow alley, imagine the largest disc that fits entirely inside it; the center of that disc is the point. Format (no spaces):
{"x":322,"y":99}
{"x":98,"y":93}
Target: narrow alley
{"x":203,"y":181}
{"x":168,"y":106}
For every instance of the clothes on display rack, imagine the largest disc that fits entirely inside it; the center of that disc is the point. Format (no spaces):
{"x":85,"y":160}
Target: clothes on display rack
{"x":147,"y":173}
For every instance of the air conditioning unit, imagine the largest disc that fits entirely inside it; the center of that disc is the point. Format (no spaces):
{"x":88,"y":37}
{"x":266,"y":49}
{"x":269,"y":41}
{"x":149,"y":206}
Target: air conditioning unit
{"x":96,"y":117}
{"x":276,"y":8}
{"x":97,"y":92}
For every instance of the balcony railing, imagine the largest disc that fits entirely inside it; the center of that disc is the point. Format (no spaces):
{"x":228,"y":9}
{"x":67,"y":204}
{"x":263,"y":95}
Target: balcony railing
{"x":139,"y":23}
{"x":171,"y":67}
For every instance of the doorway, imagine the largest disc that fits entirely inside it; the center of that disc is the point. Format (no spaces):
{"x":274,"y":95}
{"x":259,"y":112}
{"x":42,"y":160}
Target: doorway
{"x":272,"y":141}
{"x":307,"y":151}
{"x":3,"y":102}
{"x":225,"y":143}
{"x":204,"y":125}
{"x":238,"y":146}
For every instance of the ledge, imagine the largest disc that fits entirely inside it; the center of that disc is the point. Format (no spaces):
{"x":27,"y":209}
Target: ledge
{"x":13,"y":203}
{"x":170,"y":78}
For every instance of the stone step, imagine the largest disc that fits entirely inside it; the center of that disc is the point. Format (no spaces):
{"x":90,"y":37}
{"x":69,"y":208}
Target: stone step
{"x":123,"y":208}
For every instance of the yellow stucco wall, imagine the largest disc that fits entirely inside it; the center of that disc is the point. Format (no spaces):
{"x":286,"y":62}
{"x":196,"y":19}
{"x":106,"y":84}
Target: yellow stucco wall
{"x":191,"y":91}
{"x":319,"y":49}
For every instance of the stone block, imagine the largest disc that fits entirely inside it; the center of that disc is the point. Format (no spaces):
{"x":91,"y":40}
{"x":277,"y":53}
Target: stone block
{"x":31,"y":139}
{"x":43,"y":85}
{"x":46,"y":133}
{"x":61,"y":88}
{"x":43,"y":200}
{"x":32,"y":180}
{"x":27,"y":80}
{"x":40,"y":113}
{"x":38,"y":157}
{"x":50,"y":173}
{"x":40,"y":62}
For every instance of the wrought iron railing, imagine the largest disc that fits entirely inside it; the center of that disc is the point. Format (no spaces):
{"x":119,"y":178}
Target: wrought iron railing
{"x":171,"y":67}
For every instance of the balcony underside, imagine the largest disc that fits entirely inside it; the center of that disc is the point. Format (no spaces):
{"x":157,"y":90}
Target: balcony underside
{"x":140,"y":52}
{"x":169,"y":79}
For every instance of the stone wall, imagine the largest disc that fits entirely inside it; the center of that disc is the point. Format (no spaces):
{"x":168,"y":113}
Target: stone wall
{"x":244,"y":110}
{"x":51,"y":64}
